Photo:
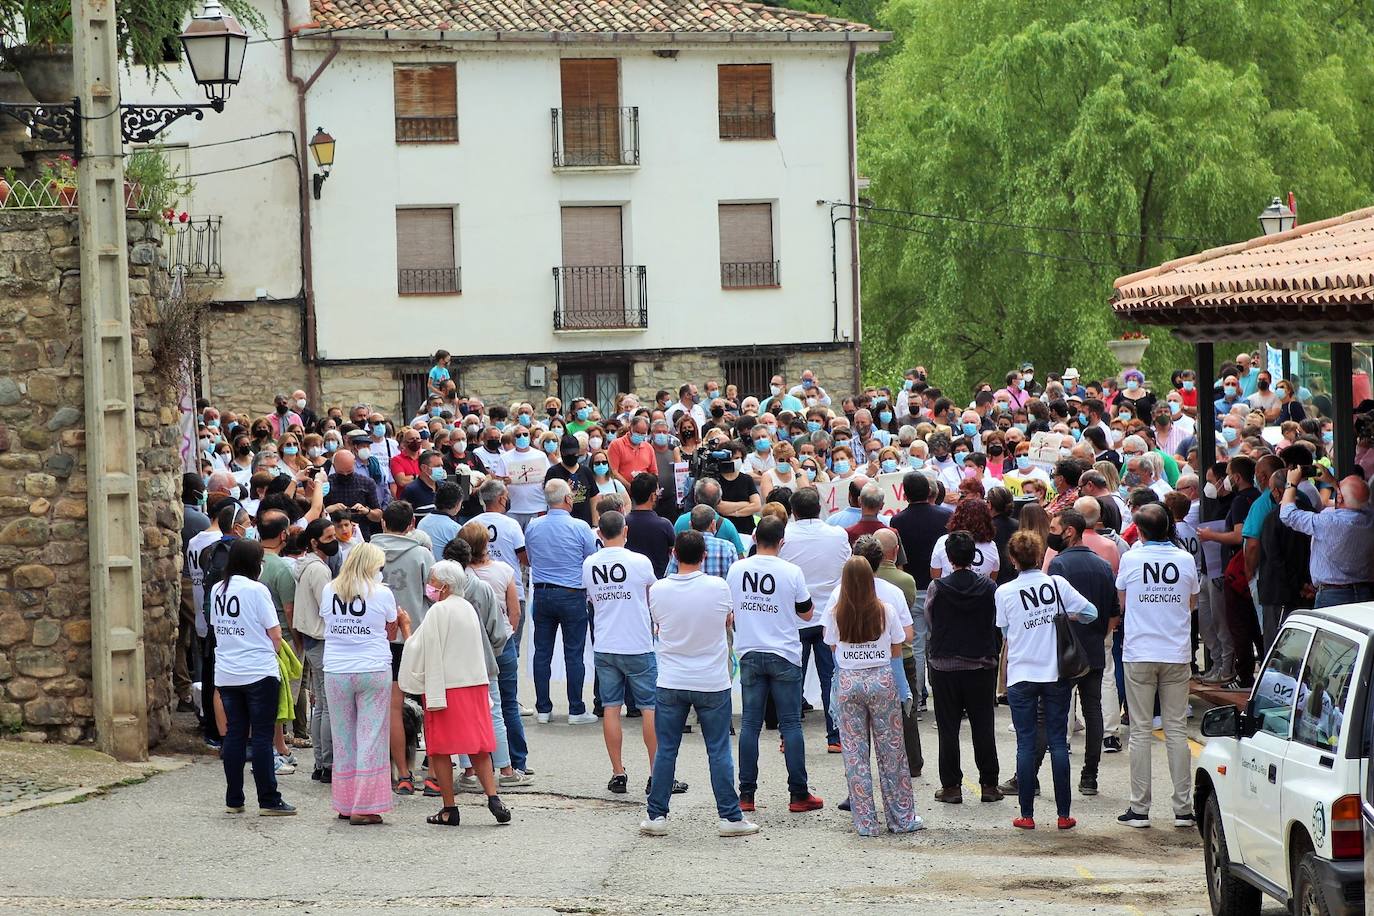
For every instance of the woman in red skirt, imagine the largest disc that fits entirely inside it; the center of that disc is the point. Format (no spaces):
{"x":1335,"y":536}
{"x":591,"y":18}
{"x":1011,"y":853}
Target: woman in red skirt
{"x":444,"y":660}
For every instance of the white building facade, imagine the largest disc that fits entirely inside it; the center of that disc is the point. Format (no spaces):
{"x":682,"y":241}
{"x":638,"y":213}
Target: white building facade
{"x":569,"y":207}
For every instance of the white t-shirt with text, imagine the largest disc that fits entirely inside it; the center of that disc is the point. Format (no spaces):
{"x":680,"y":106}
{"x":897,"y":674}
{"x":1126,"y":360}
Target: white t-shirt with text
{"x":985,"y":559}
{"x":766,"y":591}
{"x":1160,"y":581}
{"x":242,"y":612}
{"x":617,"y":582}
{"x":355,"y":639}
{"x":504,"y":541}
{"x":690,"y":610}
{"x":876,"y":653}
{"x":1026,"y":608}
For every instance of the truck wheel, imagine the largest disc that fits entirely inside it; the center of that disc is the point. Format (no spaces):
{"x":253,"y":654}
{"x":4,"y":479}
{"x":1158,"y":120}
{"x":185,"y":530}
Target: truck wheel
{"x":1308,"y":897}
{"x":1228,"y":895}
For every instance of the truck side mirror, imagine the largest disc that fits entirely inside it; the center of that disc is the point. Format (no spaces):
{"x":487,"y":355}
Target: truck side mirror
{"x":1221,"y":722}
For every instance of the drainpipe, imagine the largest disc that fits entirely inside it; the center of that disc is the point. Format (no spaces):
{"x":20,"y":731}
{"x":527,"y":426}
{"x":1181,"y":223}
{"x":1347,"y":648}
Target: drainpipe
{"x":853,"y":214}
{"x":312,"y":370}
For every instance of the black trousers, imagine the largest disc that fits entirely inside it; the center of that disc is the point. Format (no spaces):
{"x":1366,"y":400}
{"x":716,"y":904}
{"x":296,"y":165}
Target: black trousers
{"x":915,"y":760}
{"x":975,"y":693}
{"x":1090,"y":699}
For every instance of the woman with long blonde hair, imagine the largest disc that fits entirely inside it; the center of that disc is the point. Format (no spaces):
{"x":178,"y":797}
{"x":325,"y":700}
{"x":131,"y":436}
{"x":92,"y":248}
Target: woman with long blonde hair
{"x":864,"y":634}
{"x":360,"y":616}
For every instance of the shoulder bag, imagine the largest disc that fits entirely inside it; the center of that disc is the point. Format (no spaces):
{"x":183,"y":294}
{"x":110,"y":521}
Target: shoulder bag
{"x":1073,"y":660}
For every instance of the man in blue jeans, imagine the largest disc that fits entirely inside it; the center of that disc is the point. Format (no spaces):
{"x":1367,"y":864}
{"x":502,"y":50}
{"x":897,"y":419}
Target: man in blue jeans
{"x":556,"y":544}
{"x":769,"y":596}
{"x":692,"y":611}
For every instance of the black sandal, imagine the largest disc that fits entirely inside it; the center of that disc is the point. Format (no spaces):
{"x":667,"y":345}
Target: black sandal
{"x":498,"y":809}
{"x":447,"y":817}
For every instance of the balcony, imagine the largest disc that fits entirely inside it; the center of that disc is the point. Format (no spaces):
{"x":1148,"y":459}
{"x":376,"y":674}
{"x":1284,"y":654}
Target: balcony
{"x":750,"y":274}
{"x":192,"y":247}
{"x":595,"y":137}
{"x":746,"y":125}
{"x":612,"y":298}
{"x":426,"y":130}
{"x":429,"y":281}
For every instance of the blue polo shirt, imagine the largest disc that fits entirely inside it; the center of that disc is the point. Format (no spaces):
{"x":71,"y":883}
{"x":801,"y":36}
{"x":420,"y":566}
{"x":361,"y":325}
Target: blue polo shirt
{"x":556,"y":544}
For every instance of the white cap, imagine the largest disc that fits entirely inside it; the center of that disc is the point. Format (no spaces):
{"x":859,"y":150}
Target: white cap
{"x":1070,"y":372}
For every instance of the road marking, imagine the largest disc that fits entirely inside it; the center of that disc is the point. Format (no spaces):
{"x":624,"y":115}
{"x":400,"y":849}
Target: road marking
{"x":1193,"y":747}
{"x":1084,"y":873}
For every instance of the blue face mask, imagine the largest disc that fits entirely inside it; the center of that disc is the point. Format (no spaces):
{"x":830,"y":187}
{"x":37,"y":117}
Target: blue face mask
{"x":1187,"y":385}
{"x":1022,"y":462}
{"x":1132,"y":385}
{"x":908,"y":384}
{"x":582,"y":414}
{"x":970,"y":429}
{"x":499,"y":424}
{"x":1229,"y":433}
{"x":610,"y":437}
{"x":811,"y":475}
{"x":1021,"y":384}
{"x":1077,"y":435}
{"x":721,"y":454}
{"x":960,"y":458}
{"x":524,"y":419}
{"x":1082,"y":419}
{"x":438,"y":474}
{"x":550,"y":447}
{"x":325,"y":490}
{"x":916,"y":461}
{"x":884,"y":417}
{"x":808,"y":384}
{"x":637,"y":438}
{"x":1328,"y":436}
{"x":660,"y":439}
{"x":331,"y":446}
{"x":813,"y":426}
{"x":842,"y":467}
{"x":207,"y":445}
{"x":289,"y":450}
{"x":379,"y":430}
{"x":762,"y":446}
{"x":1175,"y":407}
{"x":1230,"y":391}
{"x":889,"y":465}
{"x":522,"y":441}
{"x":435,"y":411}
{"x":1019,"y":427}
{"x":1124,"y":416}
{"x":601,"y":469}
{"x":784,"y":467}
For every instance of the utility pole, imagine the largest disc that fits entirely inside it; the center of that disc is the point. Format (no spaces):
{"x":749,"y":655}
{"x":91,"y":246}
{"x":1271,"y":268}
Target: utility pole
{"x":116,"y":540}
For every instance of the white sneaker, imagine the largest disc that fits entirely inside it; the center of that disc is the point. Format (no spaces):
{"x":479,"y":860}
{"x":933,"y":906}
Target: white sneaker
{"x":655,"y":826}
{"x":526,"y":711}
{"x":514,"y":779}
{"x":284,"y":767}
{"x":585,"y":718}
{"x":542,"y":718}
{"x":738,"y":828}
{"x":468,"y":783}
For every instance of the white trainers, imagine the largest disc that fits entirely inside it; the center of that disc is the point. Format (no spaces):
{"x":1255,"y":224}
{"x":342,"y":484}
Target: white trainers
{"x":515,"y":779}
{"x":542,"y":718}
{"x":585,"y":718}
{"x":284,"y":766}
{"x":655,"y":826}
{"x":738,"y":828}
{"x":526,"y":711}
{"x":469,"y":783}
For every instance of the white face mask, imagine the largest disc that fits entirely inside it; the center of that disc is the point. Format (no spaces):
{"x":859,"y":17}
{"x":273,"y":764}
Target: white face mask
{"x":594,"y":442}
{"x":364,"y":453}
{"x":300,"y":403}
{"x":1210,"y":490}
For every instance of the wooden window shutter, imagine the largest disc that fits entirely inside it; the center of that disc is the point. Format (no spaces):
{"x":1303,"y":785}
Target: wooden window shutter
{"x":426,"y":97}
{"x":746,"y":232}
{"x":591,"y":237}
{"x":591,"y":116}
{"x":424,"y":239}
{"x":590,"y":82}
{"x":746,"y":100}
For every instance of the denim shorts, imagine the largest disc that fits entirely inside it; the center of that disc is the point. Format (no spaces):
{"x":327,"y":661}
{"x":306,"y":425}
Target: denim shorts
{"x":640,"y":672}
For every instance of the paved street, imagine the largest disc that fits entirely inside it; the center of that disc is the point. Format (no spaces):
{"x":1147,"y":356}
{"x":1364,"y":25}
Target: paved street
{"x":166,"y":846}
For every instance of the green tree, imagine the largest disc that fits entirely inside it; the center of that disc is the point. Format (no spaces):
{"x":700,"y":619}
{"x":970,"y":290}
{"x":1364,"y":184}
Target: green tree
{"x":1150,"y":129}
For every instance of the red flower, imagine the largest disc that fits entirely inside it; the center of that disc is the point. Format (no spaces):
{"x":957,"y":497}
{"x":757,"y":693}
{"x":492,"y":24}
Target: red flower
{"x":184,"y":217}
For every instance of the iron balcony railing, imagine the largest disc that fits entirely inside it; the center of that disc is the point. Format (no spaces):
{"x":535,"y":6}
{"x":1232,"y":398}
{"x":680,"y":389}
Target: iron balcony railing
{"x":588,"y":137}
{"x":193,"y":247}
{"x":600,"y":298}
{"x":411,"y":281}
{"x":746,"y":125}
{"x":426,"y":130}
{"x":750,"y":274}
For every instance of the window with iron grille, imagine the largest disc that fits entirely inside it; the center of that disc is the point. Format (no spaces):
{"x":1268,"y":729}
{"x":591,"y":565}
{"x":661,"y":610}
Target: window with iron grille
{"x":426,"y":103}
{"x":746,"y":247}
{"x":751,"y":374}
{"x":426,"y":256}
{"x":746,"y":101}
{"x":415,"y":389}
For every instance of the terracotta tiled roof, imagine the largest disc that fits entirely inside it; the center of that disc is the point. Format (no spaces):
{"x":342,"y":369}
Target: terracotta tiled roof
{"x":585,"y":16}
{"x":1321,"y":273}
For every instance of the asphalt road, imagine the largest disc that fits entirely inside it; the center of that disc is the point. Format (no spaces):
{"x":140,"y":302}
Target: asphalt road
{"x":166,"y":846}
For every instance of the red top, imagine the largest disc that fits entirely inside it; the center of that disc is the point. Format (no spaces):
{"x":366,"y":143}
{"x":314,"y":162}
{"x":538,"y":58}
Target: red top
{"x":628,"y":459}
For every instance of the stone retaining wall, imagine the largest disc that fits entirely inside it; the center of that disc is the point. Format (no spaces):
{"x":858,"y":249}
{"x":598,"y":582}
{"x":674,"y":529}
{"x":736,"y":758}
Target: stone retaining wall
{"x":45,"y":620}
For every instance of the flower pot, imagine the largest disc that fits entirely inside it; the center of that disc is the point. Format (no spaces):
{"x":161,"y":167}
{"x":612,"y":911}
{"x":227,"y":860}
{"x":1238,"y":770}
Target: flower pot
{"x":65,"y":194}
{"x":4,"y":191}
{"x":133,"y":196}
{"x":46,"y":71}
{"x":1128,"y":352}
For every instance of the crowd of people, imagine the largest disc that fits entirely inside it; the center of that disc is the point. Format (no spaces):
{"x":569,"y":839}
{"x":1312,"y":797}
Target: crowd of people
{"x":356,"y":580}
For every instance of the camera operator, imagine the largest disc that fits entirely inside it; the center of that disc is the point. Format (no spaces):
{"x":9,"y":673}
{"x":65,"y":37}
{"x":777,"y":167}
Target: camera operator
{"x":739,"y":495}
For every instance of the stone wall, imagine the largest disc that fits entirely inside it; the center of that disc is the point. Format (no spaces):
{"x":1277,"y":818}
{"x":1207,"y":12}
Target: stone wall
{"x":375,"y":385}
{"x":45,"y":620}
{"x":251,"y":351}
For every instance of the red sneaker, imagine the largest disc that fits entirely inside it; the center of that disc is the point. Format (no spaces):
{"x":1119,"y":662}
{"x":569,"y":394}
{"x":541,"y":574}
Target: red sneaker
{"x":1024,"y":823}
{"x":1067,"y":823}
{"x":808,"y":803}
{"x":746,"y":801}
{"x":833,"y":749}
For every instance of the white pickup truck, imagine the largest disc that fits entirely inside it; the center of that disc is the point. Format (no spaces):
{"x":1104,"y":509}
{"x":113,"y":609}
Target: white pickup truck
{"x":1278,"y":790}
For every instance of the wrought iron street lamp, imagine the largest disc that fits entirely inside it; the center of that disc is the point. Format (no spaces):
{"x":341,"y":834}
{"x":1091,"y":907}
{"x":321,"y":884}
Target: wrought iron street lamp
{"x":1276,"y":218}
{"x":214,"y":44}
{"x":322,"y":149}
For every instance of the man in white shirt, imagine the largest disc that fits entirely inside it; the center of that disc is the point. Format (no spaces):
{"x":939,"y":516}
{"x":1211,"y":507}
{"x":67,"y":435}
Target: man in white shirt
{"x":525,"y":468}
{"x":692,"y":611}
{"x":1158,"y":587}
{"x":820,"y":550}
{"x":686,"y":404}
{"x":769,"y":596}
{"x":617,"y":584}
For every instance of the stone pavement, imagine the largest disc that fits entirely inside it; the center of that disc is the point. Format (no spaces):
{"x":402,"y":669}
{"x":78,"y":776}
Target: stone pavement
{"x":166,"y":846}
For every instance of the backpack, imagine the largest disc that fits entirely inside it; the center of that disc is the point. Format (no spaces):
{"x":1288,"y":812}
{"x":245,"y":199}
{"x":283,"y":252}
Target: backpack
{"x":213,"y":561}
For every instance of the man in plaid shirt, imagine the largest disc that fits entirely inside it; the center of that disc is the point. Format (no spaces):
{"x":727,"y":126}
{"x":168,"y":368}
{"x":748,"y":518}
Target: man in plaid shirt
{"x":720,"y":553}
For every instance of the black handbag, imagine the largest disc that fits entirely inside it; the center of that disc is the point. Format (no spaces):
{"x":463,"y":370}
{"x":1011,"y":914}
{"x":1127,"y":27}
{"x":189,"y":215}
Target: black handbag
{"x":1073,"y":660}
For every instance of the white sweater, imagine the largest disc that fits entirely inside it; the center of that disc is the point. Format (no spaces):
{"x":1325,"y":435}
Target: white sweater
{"x":447,"y":650}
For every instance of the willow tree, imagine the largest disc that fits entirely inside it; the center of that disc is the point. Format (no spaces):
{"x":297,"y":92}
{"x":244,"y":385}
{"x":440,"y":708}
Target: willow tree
{"x":1052,"y":145}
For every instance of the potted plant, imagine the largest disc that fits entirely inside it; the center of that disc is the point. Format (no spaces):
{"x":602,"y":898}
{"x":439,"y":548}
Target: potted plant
{"x":152,"y":183}
{"x":1129,"y":349}
{"x":59,"y":175}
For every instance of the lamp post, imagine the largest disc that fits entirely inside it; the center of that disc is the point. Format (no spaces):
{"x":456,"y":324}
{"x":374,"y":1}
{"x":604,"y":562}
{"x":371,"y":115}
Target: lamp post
{"x":322,"y":150}
{"x":214,"y":44}
{"x":1276,"y":218}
